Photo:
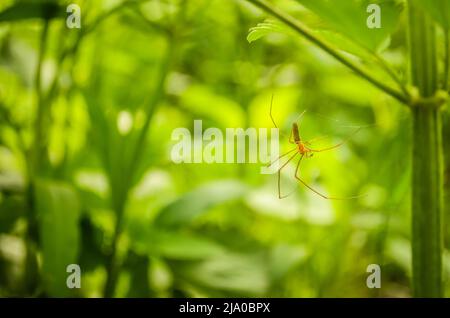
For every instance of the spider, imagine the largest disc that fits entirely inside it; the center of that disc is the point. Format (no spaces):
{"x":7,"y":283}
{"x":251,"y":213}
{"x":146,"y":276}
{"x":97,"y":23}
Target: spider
{"x":304,"y":149}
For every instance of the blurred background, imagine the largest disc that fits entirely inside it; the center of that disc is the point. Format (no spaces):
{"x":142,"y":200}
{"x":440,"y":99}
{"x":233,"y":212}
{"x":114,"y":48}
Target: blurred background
{"x":85,"y":139}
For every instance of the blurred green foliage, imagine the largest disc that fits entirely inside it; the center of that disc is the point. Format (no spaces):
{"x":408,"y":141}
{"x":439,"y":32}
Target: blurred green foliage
{"x":98,"y":188}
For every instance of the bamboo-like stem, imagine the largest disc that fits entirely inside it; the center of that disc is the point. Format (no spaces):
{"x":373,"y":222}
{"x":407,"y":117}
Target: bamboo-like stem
{"x":305,"y":32}
{"x":427,"y":161}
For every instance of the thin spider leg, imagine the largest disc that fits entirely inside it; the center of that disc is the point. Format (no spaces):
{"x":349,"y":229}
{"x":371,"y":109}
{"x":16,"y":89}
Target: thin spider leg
{"x":296,"y":169}
{"x":283,"y":155}
{"x":298,"y":165}
{"x":328,"y":148}
{"x":338,"y":145}
{"x":279,"y":176}
{"x":300,"y":116}
{"x":316,"y":139}
{"x":304,"y":183}
{"x":273,"y":120}
{"x":270,"y":113}
{"x":314,"y":190}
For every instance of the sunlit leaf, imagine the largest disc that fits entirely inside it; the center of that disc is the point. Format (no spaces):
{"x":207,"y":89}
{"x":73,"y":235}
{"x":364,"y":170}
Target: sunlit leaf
{"x":349,"y":17}
{"x":193,"y":204}
{"x":284,"y":258}
{"x":173,"y":245}
{"x":265,"y":28}
{"x":234,"y":273}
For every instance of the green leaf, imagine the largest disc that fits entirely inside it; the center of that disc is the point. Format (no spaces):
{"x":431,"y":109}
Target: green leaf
{"x":349,"y":18}
{"x":32,"y":10}
{"x":226,"y":111}
{"x":439,"y":10}
{"x":265,"y":28}
{"x":172,"y":245}
{"x":194,"y":203}
{"x":58,"y":211}
{"x":233,"y":273}
{"x":283,"y":258}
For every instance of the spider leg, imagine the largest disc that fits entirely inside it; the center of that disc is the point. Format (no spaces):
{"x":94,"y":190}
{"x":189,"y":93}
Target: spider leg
{"x":279,"y":176}
{"x":273,"y":120}
{"x":283,"y":155}
{"x":328,"y":148}
{"x":317,"y":192}
{"x":305,"y":184}
{"x":337,"y":145}
{"x":315,"y":139}
{"x":270,"y":113}
{"x":300,"y":116}
{"x":290,"y":138}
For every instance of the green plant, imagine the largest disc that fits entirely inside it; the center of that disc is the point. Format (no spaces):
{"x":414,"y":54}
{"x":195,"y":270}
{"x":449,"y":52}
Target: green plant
{"x":425,"y":96}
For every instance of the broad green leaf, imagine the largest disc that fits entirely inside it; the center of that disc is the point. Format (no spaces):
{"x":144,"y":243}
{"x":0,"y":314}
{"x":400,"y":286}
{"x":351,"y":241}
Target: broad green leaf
{"x":349,"y":18}
{"x":58,"y":211}
{"x":438,"y":9}
{"x":265,"y":28}
{"x":342,"y":42}
{"x":203,"y":101}
{"x":185,"y":247}
{"x":233,"y":273}
{"x":284,"y":258}
{"x":32,"y":10}
{"x":194,"y":203}
{"x":172,"y":245}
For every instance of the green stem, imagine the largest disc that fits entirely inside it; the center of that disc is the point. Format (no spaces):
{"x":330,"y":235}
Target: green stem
{"x":427,"y":163}
{"x":113,"y":263}
{"x":36,"y":151}
{"x":447,"y":62}
{"x":153,"y":103}
{"x":305,"y":32}
{"x":33,"y":168}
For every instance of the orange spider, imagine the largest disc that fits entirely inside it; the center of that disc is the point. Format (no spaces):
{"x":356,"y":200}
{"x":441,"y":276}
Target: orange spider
{"x":303,"y":149}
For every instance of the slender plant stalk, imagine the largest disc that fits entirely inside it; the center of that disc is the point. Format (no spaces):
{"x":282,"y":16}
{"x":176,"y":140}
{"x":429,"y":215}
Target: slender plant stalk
{"x":427,"y":163}
{"x":36,"y":148}
{"x":33,"y":167}
{"x":113,"y":264}
{"x":446,"y":81}
{"x":305,"y":32}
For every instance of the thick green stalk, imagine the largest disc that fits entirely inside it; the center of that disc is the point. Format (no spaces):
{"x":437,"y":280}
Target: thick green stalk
{"x":427,"y":161}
